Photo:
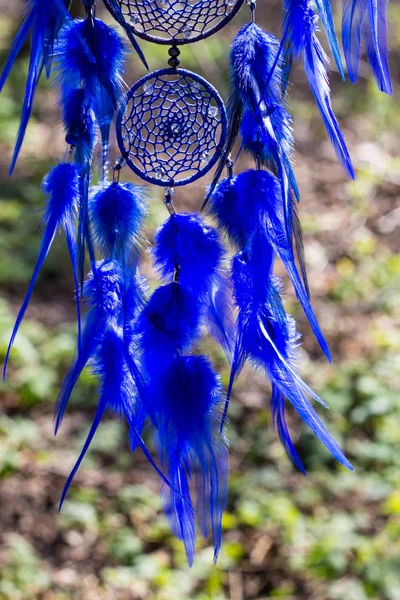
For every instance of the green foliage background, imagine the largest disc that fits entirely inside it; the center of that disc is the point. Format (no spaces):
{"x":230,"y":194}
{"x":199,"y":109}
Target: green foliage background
{"x":331,"y":535}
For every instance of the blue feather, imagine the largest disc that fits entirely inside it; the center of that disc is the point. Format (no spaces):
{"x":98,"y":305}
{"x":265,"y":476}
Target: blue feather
{"x":43,"y":21}
{"x":80,"y":125}
{"x":185,"y":240}
{"x":189,"y":253}
{"x":219,"y":318}
{"x":117,"y":213}
{"x":103,"y":292}
{"x":267,"y":337}
{"x":279,"y":421}
{"x":118,"y":394}
{"x":115,"y":9}
{"x":266,"y":127}
{"x":189,"y":444}
{"x":62,"y":185}
{"x":257,"y":111}
{"x":376,"y":42}
{"x":367,"y":19}
{"x":301,"y":24}
{"x":95,"y":66}
{"x":352,"y":19}
{"x":249,"y":208}
{"x":187,"y":243}
{"x":169,"y":323}
{"x":324,"y":8}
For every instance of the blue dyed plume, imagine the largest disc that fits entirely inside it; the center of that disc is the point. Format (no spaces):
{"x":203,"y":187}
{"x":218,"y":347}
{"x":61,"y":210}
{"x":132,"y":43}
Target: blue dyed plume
{"x":184,"y":395}
{"x":96,"y":67}
{"x":187,"y":415}
{"x":367,"y":20}
{"x":249,"y":209}
{"x":187,"y":247}
{"x":43,"y":22}
{"x":115,"y":9}
{"x":324,"y":8}
{"x":257,"y":110}
{"x":302,"y":42}
{"x":117,"y":213}
{"x":62,"y":186}
{"x":267,"y":338}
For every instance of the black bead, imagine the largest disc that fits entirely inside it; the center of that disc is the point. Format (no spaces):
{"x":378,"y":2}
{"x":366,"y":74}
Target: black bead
{"x":174,"y":62}
{"x":174,"y":51}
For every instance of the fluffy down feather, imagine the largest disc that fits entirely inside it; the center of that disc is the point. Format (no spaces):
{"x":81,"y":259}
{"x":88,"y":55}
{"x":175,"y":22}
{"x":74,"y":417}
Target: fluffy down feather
{"x":95,"y":66}
{"x":117,"y":213}
{"x":187,"y":248}
{"x":187,"y":412}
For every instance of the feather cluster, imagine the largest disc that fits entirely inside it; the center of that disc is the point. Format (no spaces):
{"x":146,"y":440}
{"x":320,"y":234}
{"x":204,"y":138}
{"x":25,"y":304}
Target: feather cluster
{"x":249,"y":209}
{"x":144,"y":347}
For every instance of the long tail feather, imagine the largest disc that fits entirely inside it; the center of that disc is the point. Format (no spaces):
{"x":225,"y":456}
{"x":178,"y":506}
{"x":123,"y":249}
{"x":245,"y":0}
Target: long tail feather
{"x":324,"y":8}
{"x":376,"y":43}
{"x":62,"y":187}
{"x":301,"y":23}
{"x":46,"y":242}
{"x":44,"y":21}
{"x":352,"y":18}
{"x":16,"y":47}
{"x":115,"y":9}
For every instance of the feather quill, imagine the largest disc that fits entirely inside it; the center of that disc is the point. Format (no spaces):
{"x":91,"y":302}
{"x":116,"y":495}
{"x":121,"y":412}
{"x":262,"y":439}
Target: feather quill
{"x":62,"y":186}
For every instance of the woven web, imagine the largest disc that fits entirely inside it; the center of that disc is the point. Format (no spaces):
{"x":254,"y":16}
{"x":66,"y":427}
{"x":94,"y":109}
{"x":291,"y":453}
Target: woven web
{"x":172,"y":127}
{"x":173,"y":20}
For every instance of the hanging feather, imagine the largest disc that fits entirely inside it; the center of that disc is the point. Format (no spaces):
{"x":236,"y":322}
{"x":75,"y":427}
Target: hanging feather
{"x":80,"y":126}
{"x":367,"y":19}
{"x":89,"y":73}
{"x":118,"y":211}
{"x":81,"y":134}
{"x":324,"y":8}
{"x":62,"y":186}
{"x":186,"y":242}
{"x":187,"y":417}
{"x":115,"y":9}
{"x":118,"y":394}
{"x":257,"y":110}
{"x":43,"y":21}
{"x":249,"y":209}
{"x":96,"y":67}
{"x":300,"y":22}
{"x":189,"y":253}
{"x":114,"y":290}
{"x":267,"y":338}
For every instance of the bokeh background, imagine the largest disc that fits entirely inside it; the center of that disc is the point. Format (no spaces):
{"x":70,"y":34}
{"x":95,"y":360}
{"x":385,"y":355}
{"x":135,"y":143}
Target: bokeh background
{"x":331,"y":535}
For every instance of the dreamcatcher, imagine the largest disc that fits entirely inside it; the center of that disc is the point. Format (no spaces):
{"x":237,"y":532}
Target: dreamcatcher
{"x":172,"y":128}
